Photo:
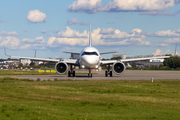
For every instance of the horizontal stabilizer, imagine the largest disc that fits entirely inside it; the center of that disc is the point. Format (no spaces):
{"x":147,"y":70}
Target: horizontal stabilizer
{"x":72,"y":53}
{"x":107,"y":53}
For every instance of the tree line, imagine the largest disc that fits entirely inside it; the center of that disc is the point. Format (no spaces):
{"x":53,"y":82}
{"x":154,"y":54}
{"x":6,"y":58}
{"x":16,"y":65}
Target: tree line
{"x":172,"y":62}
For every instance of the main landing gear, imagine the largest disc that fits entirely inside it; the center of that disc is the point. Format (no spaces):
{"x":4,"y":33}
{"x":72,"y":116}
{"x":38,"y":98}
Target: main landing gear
{"x":89,"y":74}
{"x":108,"y":72}
{"x":71,"y":72}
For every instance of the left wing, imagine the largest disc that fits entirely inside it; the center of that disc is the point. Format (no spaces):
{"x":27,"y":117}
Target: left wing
{"x":104,"y":62}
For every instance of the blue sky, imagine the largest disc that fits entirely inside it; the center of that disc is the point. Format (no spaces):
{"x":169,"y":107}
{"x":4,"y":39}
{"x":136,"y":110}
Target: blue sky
{"x":131,"y":27}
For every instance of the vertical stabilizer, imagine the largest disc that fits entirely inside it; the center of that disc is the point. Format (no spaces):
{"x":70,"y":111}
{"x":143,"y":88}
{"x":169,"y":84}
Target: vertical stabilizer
{"x":90,"y":39}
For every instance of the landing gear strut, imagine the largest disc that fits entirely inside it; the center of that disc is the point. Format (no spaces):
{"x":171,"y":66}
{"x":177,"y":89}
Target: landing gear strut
{"x":108,"y":72}
{"x":71,"y":72}
{"x":89,"y":74}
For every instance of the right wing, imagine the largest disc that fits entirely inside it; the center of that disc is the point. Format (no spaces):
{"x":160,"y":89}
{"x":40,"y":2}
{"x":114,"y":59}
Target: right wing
{"x":68,"y":61}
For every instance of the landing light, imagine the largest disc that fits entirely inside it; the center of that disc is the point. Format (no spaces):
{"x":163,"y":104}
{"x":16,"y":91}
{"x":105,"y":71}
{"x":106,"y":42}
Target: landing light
{"x":83,"y":66}
{"x":96,"y":66}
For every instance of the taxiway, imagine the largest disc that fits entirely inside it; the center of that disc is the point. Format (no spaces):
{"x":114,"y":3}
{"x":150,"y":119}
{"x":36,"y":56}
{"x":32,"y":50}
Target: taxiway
{"x":100,"y":75}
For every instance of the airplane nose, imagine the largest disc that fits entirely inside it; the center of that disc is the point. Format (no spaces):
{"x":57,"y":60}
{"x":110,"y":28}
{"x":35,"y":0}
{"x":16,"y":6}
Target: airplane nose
{"x":91,"y":61}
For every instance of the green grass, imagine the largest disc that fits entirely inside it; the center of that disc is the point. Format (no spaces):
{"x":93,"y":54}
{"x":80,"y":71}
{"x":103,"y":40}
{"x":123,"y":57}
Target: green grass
{"x":89,"y":100}
{"x":20,"y":72}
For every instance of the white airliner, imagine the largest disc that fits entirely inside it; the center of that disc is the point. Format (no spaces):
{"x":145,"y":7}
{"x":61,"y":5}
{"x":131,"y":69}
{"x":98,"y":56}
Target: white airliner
{"x":89,"y":59}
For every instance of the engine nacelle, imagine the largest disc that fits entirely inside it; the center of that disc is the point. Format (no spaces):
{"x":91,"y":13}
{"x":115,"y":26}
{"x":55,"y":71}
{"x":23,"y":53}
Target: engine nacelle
{"x":61,"y":67}
{"x":118,"y":67}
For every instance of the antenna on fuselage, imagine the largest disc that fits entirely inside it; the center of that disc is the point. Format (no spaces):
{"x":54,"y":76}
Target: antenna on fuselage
{"x":90,"y":39}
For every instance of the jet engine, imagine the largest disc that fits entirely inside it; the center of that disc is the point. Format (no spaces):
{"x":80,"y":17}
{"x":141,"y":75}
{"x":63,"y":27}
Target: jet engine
{"x":118,"y":67}
{"x":61,"y":67}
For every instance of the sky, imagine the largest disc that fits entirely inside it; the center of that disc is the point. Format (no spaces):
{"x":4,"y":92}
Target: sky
{"x":131,"y":27}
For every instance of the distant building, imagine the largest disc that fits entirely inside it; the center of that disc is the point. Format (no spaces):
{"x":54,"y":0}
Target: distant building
{"x":147,"y":64}
{"x":123,"y":56}
{"x":25,"y":62}
{"x":12,"y":63}
{"x":157,"y":60}
{"x":139,"y":56}
{"x":74,"y":56}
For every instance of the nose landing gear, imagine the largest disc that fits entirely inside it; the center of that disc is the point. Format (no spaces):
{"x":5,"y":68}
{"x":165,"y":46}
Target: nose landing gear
{"x":89,"y":74}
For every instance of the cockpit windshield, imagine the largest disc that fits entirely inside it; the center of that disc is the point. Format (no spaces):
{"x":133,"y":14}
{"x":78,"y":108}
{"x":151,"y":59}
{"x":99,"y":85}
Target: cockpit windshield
{"x":89,"y":53}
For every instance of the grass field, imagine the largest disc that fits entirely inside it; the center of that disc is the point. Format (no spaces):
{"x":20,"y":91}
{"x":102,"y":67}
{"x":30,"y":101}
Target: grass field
{"x":89,"y":100}
{"x":20,"y":72}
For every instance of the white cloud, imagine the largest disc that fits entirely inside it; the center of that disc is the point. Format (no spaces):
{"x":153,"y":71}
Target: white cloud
{"x":107,"y":31}
{"x":14,"y":43}
{"x":144,"y":7}
{"x":10,"y":42}
{"x":117,"y":34}
{"x":71,"y":33}
{"x":75,"y":21}
{"x":168,"y":33}
{"x":177,"y":31}
{"x":34,"y":41}
{"x":162,"y":44}
{"x":158,"y":52}
{"x":68,"y":41}
{"x":37,"y":43}
{"x":88,"y":6}
{"x":177,"y":1}
{"x":44,"y":31}
{"x":9,"y":33}
{"x":138,"y":5}
{"x":158,"y":13}
{"x":36,"y":16}
{"x":171,"y":52}
{"x":25,"y":46}
{"x":164,"y":33}
{"x":171,"y":41}
{"x":73,"y":37}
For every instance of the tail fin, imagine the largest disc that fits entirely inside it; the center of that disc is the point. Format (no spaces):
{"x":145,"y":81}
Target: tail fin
{"x":90,"y":39}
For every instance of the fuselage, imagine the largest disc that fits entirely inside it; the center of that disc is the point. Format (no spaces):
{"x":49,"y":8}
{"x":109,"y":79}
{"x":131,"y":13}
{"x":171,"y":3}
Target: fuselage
{"x":89,"y":58}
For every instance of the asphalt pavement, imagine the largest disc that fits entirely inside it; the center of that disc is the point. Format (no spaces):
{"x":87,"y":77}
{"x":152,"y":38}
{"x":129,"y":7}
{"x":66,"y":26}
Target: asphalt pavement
{"x":100,"y":75}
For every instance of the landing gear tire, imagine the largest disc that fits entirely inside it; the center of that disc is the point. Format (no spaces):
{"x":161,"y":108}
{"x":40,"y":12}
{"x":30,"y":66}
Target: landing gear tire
{"x":108,"y":73}
{"x":73,"y":73}
{"x":89,"y":75}
{"x":69,"y":73}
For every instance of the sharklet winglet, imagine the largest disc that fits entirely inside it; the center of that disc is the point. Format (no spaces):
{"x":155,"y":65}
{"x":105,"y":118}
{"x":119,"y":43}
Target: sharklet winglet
{"x":5,"y":52}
